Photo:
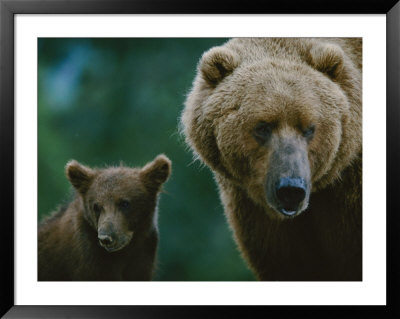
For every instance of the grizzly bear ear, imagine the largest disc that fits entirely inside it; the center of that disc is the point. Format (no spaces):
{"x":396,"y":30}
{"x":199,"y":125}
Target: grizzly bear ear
{"x":80,"y":176}
{"x":328,"y":59}
{"x":156,"y":172}
{"x":217,"y":63}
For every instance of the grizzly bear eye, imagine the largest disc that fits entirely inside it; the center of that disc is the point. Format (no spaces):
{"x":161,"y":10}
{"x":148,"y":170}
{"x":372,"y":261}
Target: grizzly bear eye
{"x":123,"y":204}
{"x":262,"y":132}
{"x":309,"y":132}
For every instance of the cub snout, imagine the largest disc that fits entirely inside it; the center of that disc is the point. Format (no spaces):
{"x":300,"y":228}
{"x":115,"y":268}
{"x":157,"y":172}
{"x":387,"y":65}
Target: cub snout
{"x":105,"y":240}
{"x":112,"y":240}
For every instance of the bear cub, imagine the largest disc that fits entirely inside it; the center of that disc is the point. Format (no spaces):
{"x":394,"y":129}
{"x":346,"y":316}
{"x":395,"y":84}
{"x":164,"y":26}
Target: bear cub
{"x":109,"y":230}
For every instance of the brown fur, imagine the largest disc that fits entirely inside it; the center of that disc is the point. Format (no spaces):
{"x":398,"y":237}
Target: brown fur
{"x":125,"y":198}
{"x":292,"y":85}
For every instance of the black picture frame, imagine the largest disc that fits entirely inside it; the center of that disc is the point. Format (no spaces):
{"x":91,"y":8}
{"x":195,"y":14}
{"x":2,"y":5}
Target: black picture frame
{"x":8,"y":10}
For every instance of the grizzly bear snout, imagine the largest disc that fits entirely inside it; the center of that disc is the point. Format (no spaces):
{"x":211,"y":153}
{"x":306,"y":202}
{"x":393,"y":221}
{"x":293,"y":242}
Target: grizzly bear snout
{"x":288,"y":182}
{"x":290,"y":193}
{"x":288,"y":196}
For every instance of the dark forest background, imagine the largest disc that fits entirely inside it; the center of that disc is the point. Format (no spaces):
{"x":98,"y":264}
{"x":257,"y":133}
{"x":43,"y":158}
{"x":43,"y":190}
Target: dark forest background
{"x":102,"y":101}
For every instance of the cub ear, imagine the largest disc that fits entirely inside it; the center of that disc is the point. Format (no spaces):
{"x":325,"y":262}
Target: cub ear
{"x":217,"y":63}
{"x":328,"y":59}
{"x":80,"y":176}
{"x":155,"y":173}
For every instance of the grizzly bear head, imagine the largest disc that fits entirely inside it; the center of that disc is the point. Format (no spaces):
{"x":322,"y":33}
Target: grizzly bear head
{"x":119,"y":202}
{"x":275,"y":124}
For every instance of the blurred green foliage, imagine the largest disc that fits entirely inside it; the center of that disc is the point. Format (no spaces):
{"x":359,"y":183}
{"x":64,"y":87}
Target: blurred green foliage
{"x":102,"y":101}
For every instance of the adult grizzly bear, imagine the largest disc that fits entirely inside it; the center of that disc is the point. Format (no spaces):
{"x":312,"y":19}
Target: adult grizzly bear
{"x":278,"y":120}
{"x":109,"y":231}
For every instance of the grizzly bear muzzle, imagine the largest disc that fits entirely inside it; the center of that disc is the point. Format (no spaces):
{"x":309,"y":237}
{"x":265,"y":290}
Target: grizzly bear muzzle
{"x":288,"y":181}
{"x":290,"y":193}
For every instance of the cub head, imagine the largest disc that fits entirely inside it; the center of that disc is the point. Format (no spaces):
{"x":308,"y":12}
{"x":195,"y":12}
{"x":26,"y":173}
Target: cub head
{"x":276,"y":127}
{"x":119,"y":202}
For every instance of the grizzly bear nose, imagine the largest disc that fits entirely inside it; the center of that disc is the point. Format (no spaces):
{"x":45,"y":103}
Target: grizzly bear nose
{"x":290,"y":193}
{"x":105,"y":240}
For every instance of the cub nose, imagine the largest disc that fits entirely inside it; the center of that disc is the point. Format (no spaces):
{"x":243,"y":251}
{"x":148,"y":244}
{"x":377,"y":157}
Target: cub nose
{"x":290,"y":193}
{"x":105,"y":240}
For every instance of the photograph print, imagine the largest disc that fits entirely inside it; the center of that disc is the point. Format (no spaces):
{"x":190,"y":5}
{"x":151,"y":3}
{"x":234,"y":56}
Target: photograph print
{"x":200,"y":159}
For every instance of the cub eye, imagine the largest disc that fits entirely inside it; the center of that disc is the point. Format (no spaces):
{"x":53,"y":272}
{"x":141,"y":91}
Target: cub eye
{"x":309,"y":132}
{"x":123,"y":204}
{"x":262,"y":132}
{"x":97,"y":209}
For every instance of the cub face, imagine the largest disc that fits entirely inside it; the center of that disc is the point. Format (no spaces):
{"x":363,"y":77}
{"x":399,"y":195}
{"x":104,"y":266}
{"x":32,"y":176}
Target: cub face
{"x":272,"y":127}
{"x":119,"y":202}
